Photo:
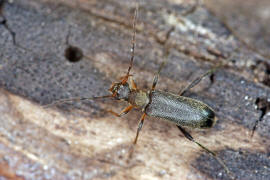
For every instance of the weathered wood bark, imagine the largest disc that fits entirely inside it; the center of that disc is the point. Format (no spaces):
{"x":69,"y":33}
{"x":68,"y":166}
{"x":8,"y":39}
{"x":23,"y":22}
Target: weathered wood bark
{"x":79,"y":140}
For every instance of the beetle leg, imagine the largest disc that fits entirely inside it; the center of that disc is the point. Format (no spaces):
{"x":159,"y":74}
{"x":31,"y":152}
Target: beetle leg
{"x":196,"y":81}
{"x":133,"y":84}
{"x":189,"y":137}
{"x":139,"y":128}
{"x":162,"y":65}
{"x":157,"y":75}
{"x":256,"y":124}
{"x":4,"y":23}
{"x":123,"y":112}
{"x":140,"y":125}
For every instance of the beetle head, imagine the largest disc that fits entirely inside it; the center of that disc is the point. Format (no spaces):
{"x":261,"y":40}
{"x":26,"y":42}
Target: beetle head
{"x":120,"y":90}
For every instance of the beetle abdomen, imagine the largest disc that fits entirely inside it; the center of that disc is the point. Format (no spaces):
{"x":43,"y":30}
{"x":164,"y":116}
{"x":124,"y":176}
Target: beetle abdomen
{"x":180,"y":110}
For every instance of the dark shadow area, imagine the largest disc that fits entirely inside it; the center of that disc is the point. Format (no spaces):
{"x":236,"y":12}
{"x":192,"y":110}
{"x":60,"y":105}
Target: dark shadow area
{"x":244,"y":164}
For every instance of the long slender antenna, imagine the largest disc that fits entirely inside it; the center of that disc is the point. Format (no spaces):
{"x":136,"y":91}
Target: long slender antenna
{"x":133,"y":42}
{"x":61,"y":101}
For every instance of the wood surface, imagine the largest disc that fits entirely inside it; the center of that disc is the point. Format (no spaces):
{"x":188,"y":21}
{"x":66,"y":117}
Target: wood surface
{"x":80,"y":140}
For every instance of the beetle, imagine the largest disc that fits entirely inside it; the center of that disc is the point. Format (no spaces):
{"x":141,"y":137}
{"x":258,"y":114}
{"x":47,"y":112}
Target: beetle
{"x":175,"y":108}
{"x":180,"y":110}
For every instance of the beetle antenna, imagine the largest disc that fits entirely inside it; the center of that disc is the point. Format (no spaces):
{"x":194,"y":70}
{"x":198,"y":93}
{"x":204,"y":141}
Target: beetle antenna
{"x":189,"y":137}
{"x":62,"y":101}
{"x":133,"y":43}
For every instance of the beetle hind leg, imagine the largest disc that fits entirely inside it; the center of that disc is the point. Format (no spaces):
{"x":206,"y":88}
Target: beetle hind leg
{"x":189,"y":137}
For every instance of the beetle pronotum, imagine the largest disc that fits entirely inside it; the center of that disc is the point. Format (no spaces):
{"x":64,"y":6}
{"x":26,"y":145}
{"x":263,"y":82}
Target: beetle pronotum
{"x":180,"y":110}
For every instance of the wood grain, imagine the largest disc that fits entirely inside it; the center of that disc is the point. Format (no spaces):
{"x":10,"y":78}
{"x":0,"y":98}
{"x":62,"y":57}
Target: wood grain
{"x":79,"y":140}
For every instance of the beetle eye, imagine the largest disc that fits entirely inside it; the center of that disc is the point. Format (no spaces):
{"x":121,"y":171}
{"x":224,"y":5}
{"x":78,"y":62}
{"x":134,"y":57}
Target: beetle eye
{"x":115,"y":89}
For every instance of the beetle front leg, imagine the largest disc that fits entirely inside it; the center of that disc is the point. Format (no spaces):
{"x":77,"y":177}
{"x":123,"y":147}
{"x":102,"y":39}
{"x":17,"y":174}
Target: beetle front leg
{"x":123,"y":112}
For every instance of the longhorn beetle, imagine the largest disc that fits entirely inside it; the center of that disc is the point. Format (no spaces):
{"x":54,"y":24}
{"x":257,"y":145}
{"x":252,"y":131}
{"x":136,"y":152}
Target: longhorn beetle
{"x":180,"y":110}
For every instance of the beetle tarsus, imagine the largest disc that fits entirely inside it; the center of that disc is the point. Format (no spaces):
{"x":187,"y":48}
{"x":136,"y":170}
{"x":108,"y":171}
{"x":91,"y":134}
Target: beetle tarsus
{"x":123,"y":112}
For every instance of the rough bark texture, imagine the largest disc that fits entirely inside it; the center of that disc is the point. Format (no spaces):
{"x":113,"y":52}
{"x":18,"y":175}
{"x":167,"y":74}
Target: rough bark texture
{"x":79,"y":140}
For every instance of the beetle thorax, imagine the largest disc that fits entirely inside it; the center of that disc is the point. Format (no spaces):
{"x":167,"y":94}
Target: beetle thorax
{"x":139,"y":99}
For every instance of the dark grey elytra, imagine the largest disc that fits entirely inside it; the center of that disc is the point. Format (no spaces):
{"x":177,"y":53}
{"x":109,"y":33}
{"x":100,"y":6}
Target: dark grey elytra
{"x":180,"y":110}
